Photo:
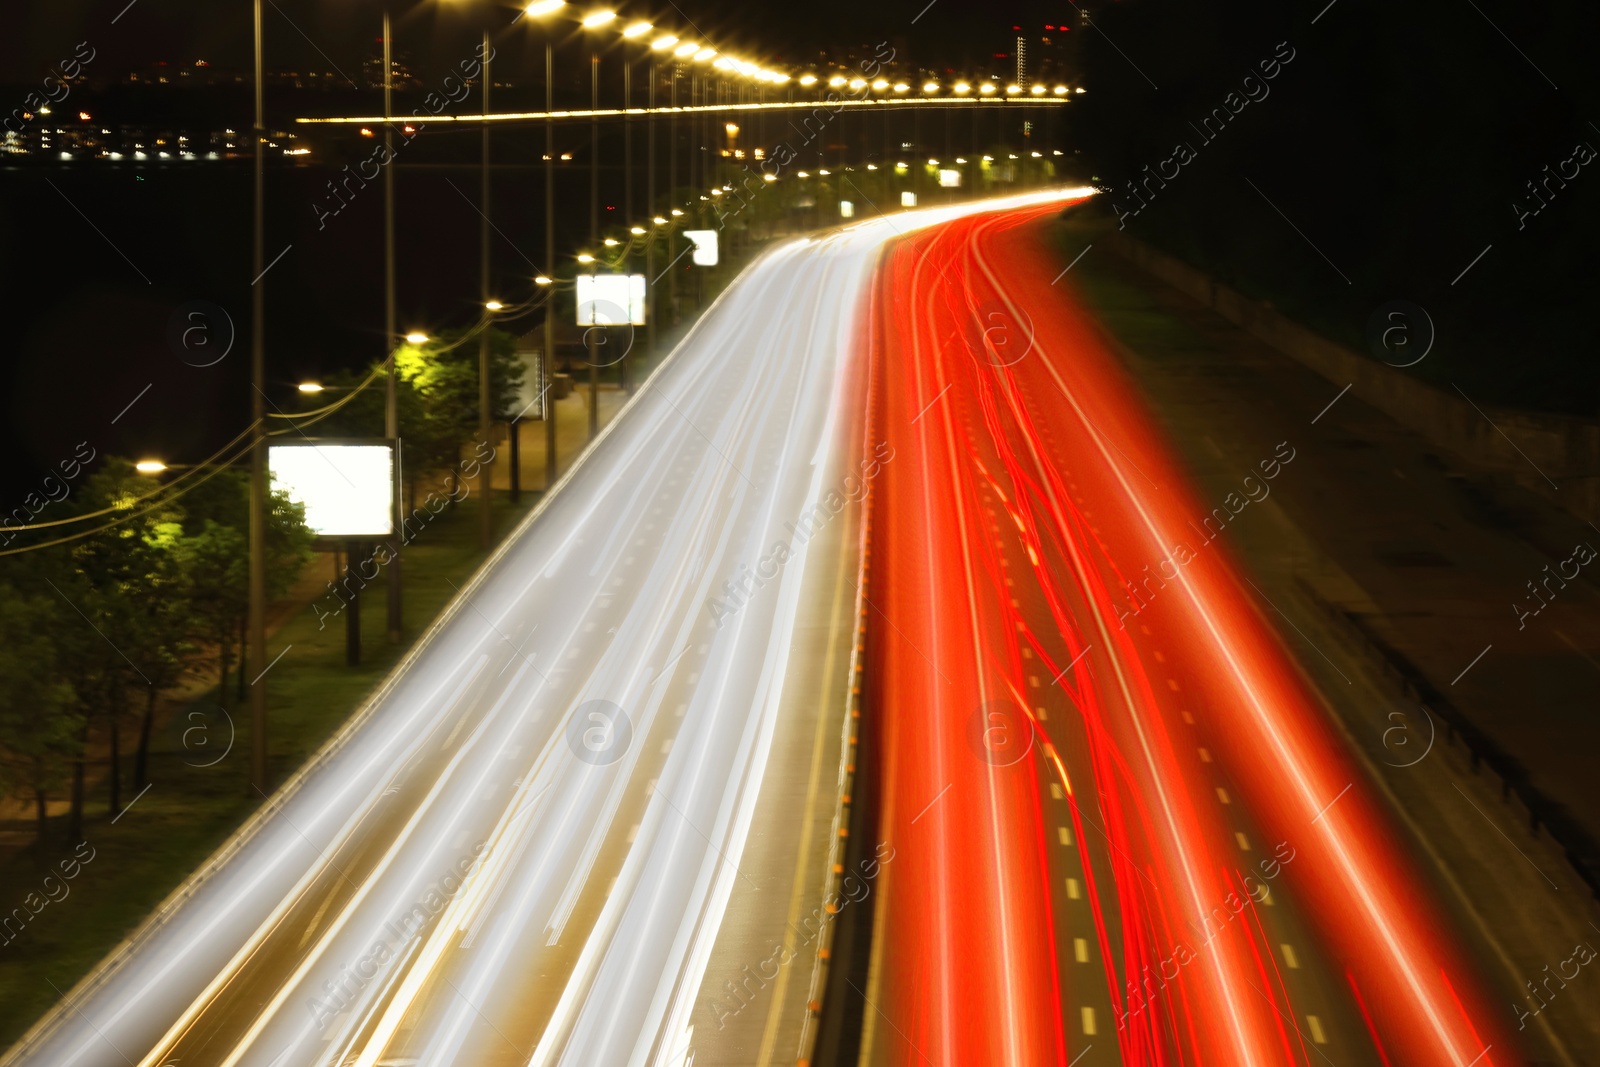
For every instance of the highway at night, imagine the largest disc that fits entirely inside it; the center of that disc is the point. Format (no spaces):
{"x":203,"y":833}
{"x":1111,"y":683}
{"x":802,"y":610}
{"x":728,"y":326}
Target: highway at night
{"x":1121,"y":823}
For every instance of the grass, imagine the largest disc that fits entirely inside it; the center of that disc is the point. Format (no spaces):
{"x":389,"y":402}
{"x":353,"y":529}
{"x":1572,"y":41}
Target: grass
{"x":190,"y":810}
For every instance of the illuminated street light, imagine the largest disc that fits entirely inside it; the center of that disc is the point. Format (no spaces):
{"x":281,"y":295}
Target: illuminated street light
{"x":808,"y":80}
{"x":803,"y":174}
{"x":1037,"y":90}
{"x":493,"y":305}
{"x":310,"y":387}
{"x":540,"y":8}
{"x":638,"y":29}
{"x":901,"y":87}
{"x":704,"y":54}
{"x":962,"y":87}
{"x":688,"y":49}
{"x":661,"y":44}
{"x":416,"y":337}
{"x":659,"y":221}
{"x":1061,"y":90}
{"x":857,"y":83}
{"x":769,"y":177}
{"x":880,"y":85}
{"x":149,"y":466}
{"x":1080,"y":89}
{"x":986,"y":88}
{"x":541,"y":280}
{"x":677,"y":214}
{"x":612,"y":242}
{"x":637,"y":231}
{"x":598,"y":19}
{"x":931,"y":87}
{"x":1013,"y":90}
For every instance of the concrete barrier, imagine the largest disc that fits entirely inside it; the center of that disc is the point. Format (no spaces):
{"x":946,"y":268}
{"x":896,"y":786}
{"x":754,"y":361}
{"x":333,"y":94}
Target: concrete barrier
{"x":1556,"y":456}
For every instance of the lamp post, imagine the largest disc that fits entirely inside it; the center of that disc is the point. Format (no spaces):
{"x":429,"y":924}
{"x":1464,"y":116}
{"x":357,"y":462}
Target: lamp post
{"x":485,"y":516}
{"x":551,"y":467}
{"x":391,"y":335}
{"x":594,"y":22}
{"x":256,"y":619}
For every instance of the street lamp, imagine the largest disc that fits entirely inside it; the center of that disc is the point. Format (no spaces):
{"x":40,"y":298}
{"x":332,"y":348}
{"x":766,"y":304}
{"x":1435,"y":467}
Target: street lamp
{"x":149,"y":466}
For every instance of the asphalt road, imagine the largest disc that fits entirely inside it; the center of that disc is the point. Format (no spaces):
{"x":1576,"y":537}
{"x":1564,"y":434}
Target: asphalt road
{"x":1126,"y":830}
{"x":522,"y":850}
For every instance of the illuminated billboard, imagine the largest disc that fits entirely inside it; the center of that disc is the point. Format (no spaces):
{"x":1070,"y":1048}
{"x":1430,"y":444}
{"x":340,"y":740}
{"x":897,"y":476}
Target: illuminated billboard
{"x":908,"y":199}
{"x":705,"y":247}
{"x":346,"y":487}
{"x":611,"y":300}
{"x":950,"y":179}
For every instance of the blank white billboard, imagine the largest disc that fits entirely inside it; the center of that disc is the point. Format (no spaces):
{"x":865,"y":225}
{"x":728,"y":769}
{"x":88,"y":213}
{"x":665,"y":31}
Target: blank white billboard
{"x":705,"y":247}
{"x":611,"y":300}
{"x":347,"y":489}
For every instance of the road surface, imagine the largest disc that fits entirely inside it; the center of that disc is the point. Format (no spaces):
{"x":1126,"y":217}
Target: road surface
{"x":1124,"y":831}
{"x":522,"y":850}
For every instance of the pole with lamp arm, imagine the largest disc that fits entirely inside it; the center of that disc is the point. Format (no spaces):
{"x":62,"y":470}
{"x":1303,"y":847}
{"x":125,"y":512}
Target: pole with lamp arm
{"x":256,"y":617}
{"x":594,"y":235}
{"x":551,"y":465}
{"x":391,"y":401}
{"x":485,"y":515}
{"x":650,"y":210}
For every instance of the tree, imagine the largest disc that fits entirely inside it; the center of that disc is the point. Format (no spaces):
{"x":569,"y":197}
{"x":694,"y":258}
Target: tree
{"x":39,"y":724}
{"x":215,"y":554}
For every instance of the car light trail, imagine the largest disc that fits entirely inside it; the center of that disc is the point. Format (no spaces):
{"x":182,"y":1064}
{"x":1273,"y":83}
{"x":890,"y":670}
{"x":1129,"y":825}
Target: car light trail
{"x":1056,"y":448}
{"x":459,"y":875}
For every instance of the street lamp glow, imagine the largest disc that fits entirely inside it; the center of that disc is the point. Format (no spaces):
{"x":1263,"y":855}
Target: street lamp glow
{"x":1037,"y":90}
{"x":637,"y":231}
{"x":901,"y":87}
{"x":961,"y":159}
{"x":880,"y":85}
{"x":416,"y":337}
{"x":493,"y":305}
{"x":612,"y":242}
{"x":808,"y":80}
{"x":1036,"y":155}
{"x":659,"y":221}
{"x":149,"y":466}
{"x":310,"y":387}
{"x":540,"y":8}
{"x":931,"y":87}
{"x":824,"y":172}
{"x":688,"y":49}
{"x":661,"y":44}
{"x":1081,"y":89}
{"x":769,"y":177}
{"x":598,"y":19}
{"x":1013,"y":90}
{"x":638,"y":29}
{"x":704,"y":54}
{"x":986,"y":88}
{"x":857,"y":83}
{"x":676,"y":213}
{"x":872,"y":166}
{"x":732,"y":128}
{"x":835,"y":81}
{"x":584,"y":257}
{"x":963,"y":87}
{"x":541,"y":280}
{"x":1061,"y":90}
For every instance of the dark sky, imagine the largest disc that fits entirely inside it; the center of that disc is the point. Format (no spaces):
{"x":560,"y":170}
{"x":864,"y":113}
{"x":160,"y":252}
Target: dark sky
{"x":40,"y":33}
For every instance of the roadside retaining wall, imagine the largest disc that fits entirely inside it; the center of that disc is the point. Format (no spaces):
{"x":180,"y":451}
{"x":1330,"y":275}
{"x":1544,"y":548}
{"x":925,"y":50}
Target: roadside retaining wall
{"x":1559,"y":455}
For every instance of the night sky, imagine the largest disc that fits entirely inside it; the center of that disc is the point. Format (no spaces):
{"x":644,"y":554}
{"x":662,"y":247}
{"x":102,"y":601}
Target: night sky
{"x":436,"y":30}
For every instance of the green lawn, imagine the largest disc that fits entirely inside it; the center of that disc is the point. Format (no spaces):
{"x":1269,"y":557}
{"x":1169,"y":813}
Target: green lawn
{"x":190,"y":810}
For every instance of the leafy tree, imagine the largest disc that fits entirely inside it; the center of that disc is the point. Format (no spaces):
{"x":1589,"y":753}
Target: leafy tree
{"x":39,"y":722}
{"x":215,"y":555}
